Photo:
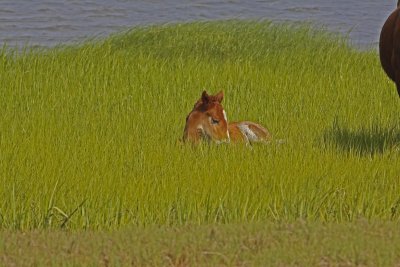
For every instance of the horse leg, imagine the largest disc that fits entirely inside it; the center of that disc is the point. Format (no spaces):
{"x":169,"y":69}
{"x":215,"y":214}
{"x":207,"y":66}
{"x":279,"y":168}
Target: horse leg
{"x":396,"y":65}
{"x":398,"y":82}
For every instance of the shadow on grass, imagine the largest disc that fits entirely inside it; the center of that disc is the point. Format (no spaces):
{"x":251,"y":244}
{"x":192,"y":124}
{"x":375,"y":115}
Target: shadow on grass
{"x":363,"y":141}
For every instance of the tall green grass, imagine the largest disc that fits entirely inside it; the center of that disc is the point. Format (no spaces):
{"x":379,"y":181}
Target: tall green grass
{"x":89,"y":134}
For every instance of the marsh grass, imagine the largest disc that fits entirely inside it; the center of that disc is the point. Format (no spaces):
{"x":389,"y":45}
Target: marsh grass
{"x":89,"y":134}
{"x":259,"y":244}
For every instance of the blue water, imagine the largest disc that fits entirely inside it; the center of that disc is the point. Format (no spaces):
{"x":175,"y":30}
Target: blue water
{"x":50,"y":22}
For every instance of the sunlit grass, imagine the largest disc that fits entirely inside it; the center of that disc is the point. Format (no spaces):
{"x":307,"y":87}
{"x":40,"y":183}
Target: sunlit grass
{"x":90,"y":135}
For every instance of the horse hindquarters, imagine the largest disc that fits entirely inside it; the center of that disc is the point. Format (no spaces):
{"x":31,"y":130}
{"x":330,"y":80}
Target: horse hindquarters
{"x":386,"y":45}
{"x":395,"y":56}
{"x":389,"y":47}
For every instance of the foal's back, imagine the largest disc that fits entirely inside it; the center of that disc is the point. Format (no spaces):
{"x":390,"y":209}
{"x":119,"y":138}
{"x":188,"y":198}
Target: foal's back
{"x":249,"y":132}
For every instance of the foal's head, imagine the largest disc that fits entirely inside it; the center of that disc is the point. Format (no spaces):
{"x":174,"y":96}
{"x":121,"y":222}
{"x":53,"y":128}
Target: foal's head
{"x":207,"y":121}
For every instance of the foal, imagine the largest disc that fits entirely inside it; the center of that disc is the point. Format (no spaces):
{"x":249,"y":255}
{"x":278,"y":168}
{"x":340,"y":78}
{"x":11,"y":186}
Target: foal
{"x":208,"y":121}
{"x":389,"y":47}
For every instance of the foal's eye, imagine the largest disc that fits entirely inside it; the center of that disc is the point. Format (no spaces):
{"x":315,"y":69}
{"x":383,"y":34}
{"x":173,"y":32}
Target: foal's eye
{"x":214,"y":121}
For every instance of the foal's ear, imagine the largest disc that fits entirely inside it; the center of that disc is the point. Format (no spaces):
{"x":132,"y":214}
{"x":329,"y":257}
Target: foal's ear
{"x":205,"y":97}
{"x":220,"y":96}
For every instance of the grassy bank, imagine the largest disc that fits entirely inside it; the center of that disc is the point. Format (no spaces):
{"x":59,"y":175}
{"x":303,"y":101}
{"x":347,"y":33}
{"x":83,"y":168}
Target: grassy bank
{"x":296,"y":244}
{"x":89,"y":135}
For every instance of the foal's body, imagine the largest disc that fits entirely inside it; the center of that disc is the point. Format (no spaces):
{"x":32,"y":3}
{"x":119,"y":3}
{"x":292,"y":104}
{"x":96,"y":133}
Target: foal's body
{"x":247,"y":131}
{"x":208,"y":121}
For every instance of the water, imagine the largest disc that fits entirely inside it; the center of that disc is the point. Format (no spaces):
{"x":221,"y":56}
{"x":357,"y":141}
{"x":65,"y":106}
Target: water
{"x":47,"y":23}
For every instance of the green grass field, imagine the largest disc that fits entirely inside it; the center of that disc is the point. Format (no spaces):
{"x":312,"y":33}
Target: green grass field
{"x":90,"y":134}
{"x":270,"y":244}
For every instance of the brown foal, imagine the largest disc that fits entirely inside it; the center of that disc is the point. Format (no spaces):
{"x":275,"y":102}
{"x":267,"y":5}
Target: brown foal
{"x":207,"y":121}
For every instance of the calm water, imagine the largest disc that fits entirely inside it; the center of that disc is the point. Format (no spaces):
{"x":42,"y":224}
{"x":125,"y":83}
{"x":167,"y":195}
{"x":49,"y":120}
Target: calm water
{"x":51,"y":22}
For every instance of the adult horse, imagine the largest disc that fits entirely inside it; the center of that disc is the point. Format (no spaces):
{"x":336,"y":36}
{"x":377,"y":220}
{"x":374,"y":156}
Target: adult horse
{"x":207,"y":121}
{"x":389,"y":47}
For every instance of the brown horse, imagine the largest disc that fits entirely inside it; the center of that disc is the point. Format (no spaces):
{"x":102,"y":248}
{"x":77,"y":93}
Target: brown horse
{"x":207,"y":121}
{"x":389,"y":47}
